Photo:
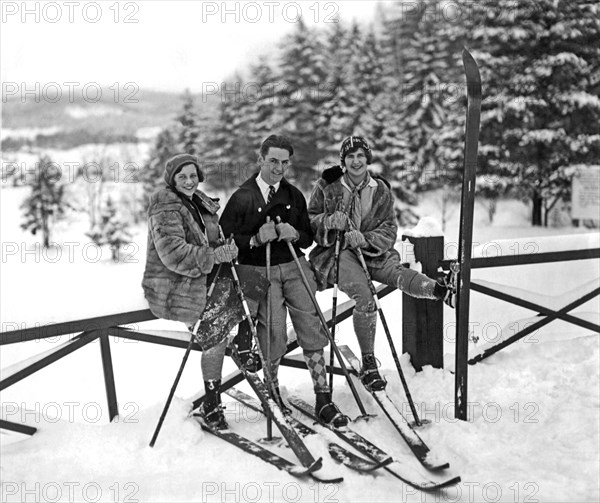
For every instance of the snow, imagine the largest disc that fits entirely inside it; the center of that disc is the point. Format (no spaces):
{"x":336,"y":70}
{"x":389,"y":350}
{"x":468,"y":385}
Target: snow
{"x":533,"y":433}
{"x":426,"y":227}
{"x":78,"y":112}
{"x":28,"y":133}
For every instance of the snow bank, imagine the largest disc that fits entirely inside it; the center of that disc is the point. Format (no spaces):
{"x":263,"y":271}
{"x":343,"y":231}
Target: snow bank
{"x":426,"y":227}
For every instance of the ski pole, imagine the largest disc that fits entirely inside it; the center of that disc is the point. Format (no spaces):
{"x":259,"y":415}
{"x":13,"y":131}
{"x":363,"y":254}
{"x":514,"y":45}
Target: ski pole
{"x":248,"y":317}
{"x":324,"y":323}
{"x":336,"y":278}
{"x":336,"y":275}
{"x":183,"y":362}
{"x":269,"y":327}
{"x":361,"y":258}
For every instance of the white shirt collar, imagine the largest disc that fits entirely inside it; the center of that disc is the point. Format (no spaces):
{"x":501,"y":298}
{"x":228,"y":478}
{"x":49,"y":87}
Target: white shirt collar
{"x":264,"y":187}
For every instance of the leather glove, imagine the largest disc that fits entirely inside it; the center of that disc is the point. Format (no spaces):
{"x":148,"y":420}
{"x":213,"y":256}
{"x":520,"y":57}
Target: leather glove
{"x":355,"y":239}
{"x":226,"y":253}
{"x":287,"y":232}
{"x":265,"y":234}
{"x":445,"y":289}
{"x":338,"y":221}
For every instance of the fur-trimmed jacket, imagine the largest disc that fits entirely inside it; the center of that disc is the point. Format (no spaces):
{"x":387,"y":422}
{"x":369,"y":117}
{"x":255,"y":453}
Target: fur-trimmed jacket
{"x":377,"y":224}
{"x":180,"y":254}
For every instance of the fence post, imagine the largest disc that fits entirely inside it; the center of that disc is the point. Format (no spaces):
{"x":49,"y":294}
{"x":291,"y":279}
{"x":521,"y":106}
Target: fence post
{"x":109,"y":377}
{"x":422,"y":320}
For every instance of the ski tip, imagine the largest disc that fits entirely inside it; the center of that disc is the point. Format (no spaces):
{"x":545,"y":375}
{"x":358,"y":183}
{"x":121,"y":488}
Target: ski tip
{"x":467,"y":57}
{"x":471,"y":67}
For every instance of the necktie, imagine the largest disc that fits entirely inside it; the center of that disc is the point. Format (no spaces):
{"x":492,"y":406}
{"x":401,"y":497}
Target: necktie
{"x":271,"y":194}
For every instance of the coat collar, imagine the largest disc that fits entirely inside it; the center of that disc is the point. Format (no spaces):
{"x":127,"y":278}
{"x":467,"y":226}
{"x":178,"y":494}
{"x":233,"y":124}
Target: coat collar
{"x":208,"y":203}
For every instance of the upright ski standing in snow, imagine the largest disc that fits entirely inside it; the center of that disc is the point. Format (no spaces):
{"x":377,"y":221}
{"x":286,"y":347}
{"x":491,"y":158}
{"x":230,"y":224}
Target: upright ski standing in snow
{"x":462,"y":269}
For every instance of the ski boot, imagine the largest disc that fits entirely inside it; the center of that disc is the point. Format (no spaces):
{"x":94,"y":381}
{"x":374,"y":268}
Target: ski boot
{"x":328,"y":412}
{"x":211,"y":409}
{"x":445,"y":289}
{"x":369,"y":375}
{"x":249,"y":360}
{"x":243,"y":340}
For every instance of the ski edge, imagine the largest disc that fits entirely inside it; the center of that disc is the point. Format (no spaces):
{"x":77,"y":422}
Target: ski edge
{"x":396,"y":468}
{"x":416,"y":444}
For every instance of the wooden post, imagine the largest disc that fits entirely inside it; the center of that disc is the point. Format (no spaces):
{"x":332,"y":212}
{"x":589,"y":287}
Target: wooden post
{"x":109,"y":377}
{"x":422,"y":320}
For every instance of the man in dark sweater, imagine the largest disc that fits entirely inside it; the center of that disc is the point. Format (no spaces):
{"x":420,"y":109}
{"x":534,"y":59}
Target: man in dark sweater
{"x":251,"y":215}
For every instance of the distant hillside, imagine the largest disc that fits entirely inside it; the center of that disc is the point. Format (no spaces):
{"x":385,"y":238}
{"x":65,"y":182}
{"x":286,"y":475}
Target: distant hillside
{"x":36,"y":121}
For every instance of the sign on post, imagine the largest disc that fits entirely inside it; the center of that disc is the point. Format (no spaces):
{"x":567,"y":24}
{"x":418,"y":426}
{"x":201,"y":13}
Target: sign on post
{"x":585,"y":193}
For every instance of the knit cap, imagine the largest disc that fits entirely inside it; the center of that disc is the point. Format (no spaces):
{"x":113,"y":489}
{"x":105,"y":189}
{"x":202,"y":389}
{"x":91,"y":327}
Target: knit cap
{"x":176,"y":163}
{"x":353,"y":143}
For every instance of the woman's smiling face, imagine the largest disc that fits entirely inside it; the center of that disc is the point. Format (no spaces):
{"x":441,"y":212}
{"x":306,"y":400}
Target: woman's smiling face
{"x":186,"y":181}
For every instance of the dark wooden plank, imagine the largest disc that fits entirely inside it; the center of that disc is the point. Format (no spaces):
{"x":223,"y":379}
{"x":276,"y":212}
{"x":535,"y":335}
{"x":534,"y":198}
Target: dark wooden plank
{"x":423,"y":320}
{"x":152,"y":338}
{"x":534,"y":307}
{"x":60,"y":352}
{"x":532,"y":328}
{"x":533,"y":258}
{"x":100,"y":324}
{"x":109,"y":377}
{"x":19,"y":428}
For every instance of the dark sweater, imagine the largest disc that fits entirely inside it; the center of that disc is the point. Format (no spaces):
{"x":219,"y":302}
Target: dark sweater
{"x":246,"y":211}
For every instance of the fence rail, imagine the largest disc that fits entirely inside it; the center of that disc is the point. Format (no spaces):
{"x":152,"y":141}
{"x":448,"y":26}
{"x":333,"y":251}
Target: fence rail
{"x":102,"y":328}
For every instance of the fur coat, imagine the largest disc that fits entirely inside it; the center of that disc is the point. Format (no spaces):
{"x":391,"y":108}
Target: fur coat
{"x":378,"y":225}
{"x":179,"y":255}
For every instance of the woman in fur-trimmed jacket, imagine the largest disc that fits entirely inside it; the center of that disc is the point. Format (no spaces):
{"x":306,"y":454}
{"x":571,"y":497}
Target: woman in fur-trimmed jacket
{"x":183,"y":233}
{"x":360,"y":206}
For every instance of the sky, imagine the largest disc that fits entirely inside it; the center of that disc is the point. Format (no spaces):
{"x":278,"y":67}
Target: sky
{"x":162,"y":45}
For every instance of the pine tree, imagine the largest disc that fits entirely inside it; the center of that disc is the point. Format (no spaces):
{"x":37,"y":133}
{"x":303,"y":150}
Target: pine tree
{"x":544,"y":57}
{"x":332,"y":118}
{"x":261,"y":100}
{"x":231,"y":151}
{"x":303,"y":92}
{"x":190,"y":126}
{"x":110,"y":230}
{"x":46,"y":204}
{"x":151,"y":175}
{"x":432,"y":67}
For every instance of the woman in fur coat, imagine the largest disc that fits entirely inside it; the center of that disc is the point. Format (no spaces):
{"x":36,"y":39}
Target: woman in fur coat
{"x":360,"y":206}
{"x":183,"y":248}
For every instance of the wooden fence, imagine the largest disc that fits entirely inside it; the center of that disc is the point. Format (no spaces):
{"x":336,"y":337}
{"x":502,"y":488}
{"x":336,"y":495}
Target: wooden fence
{"x":103,"y":327}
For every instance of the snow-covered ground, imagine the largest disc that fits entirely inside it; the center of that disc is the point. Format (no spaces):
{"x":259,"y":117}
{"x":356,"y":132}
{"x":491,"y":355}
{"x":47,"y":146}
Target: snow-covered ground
{"x":533,"y":433}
